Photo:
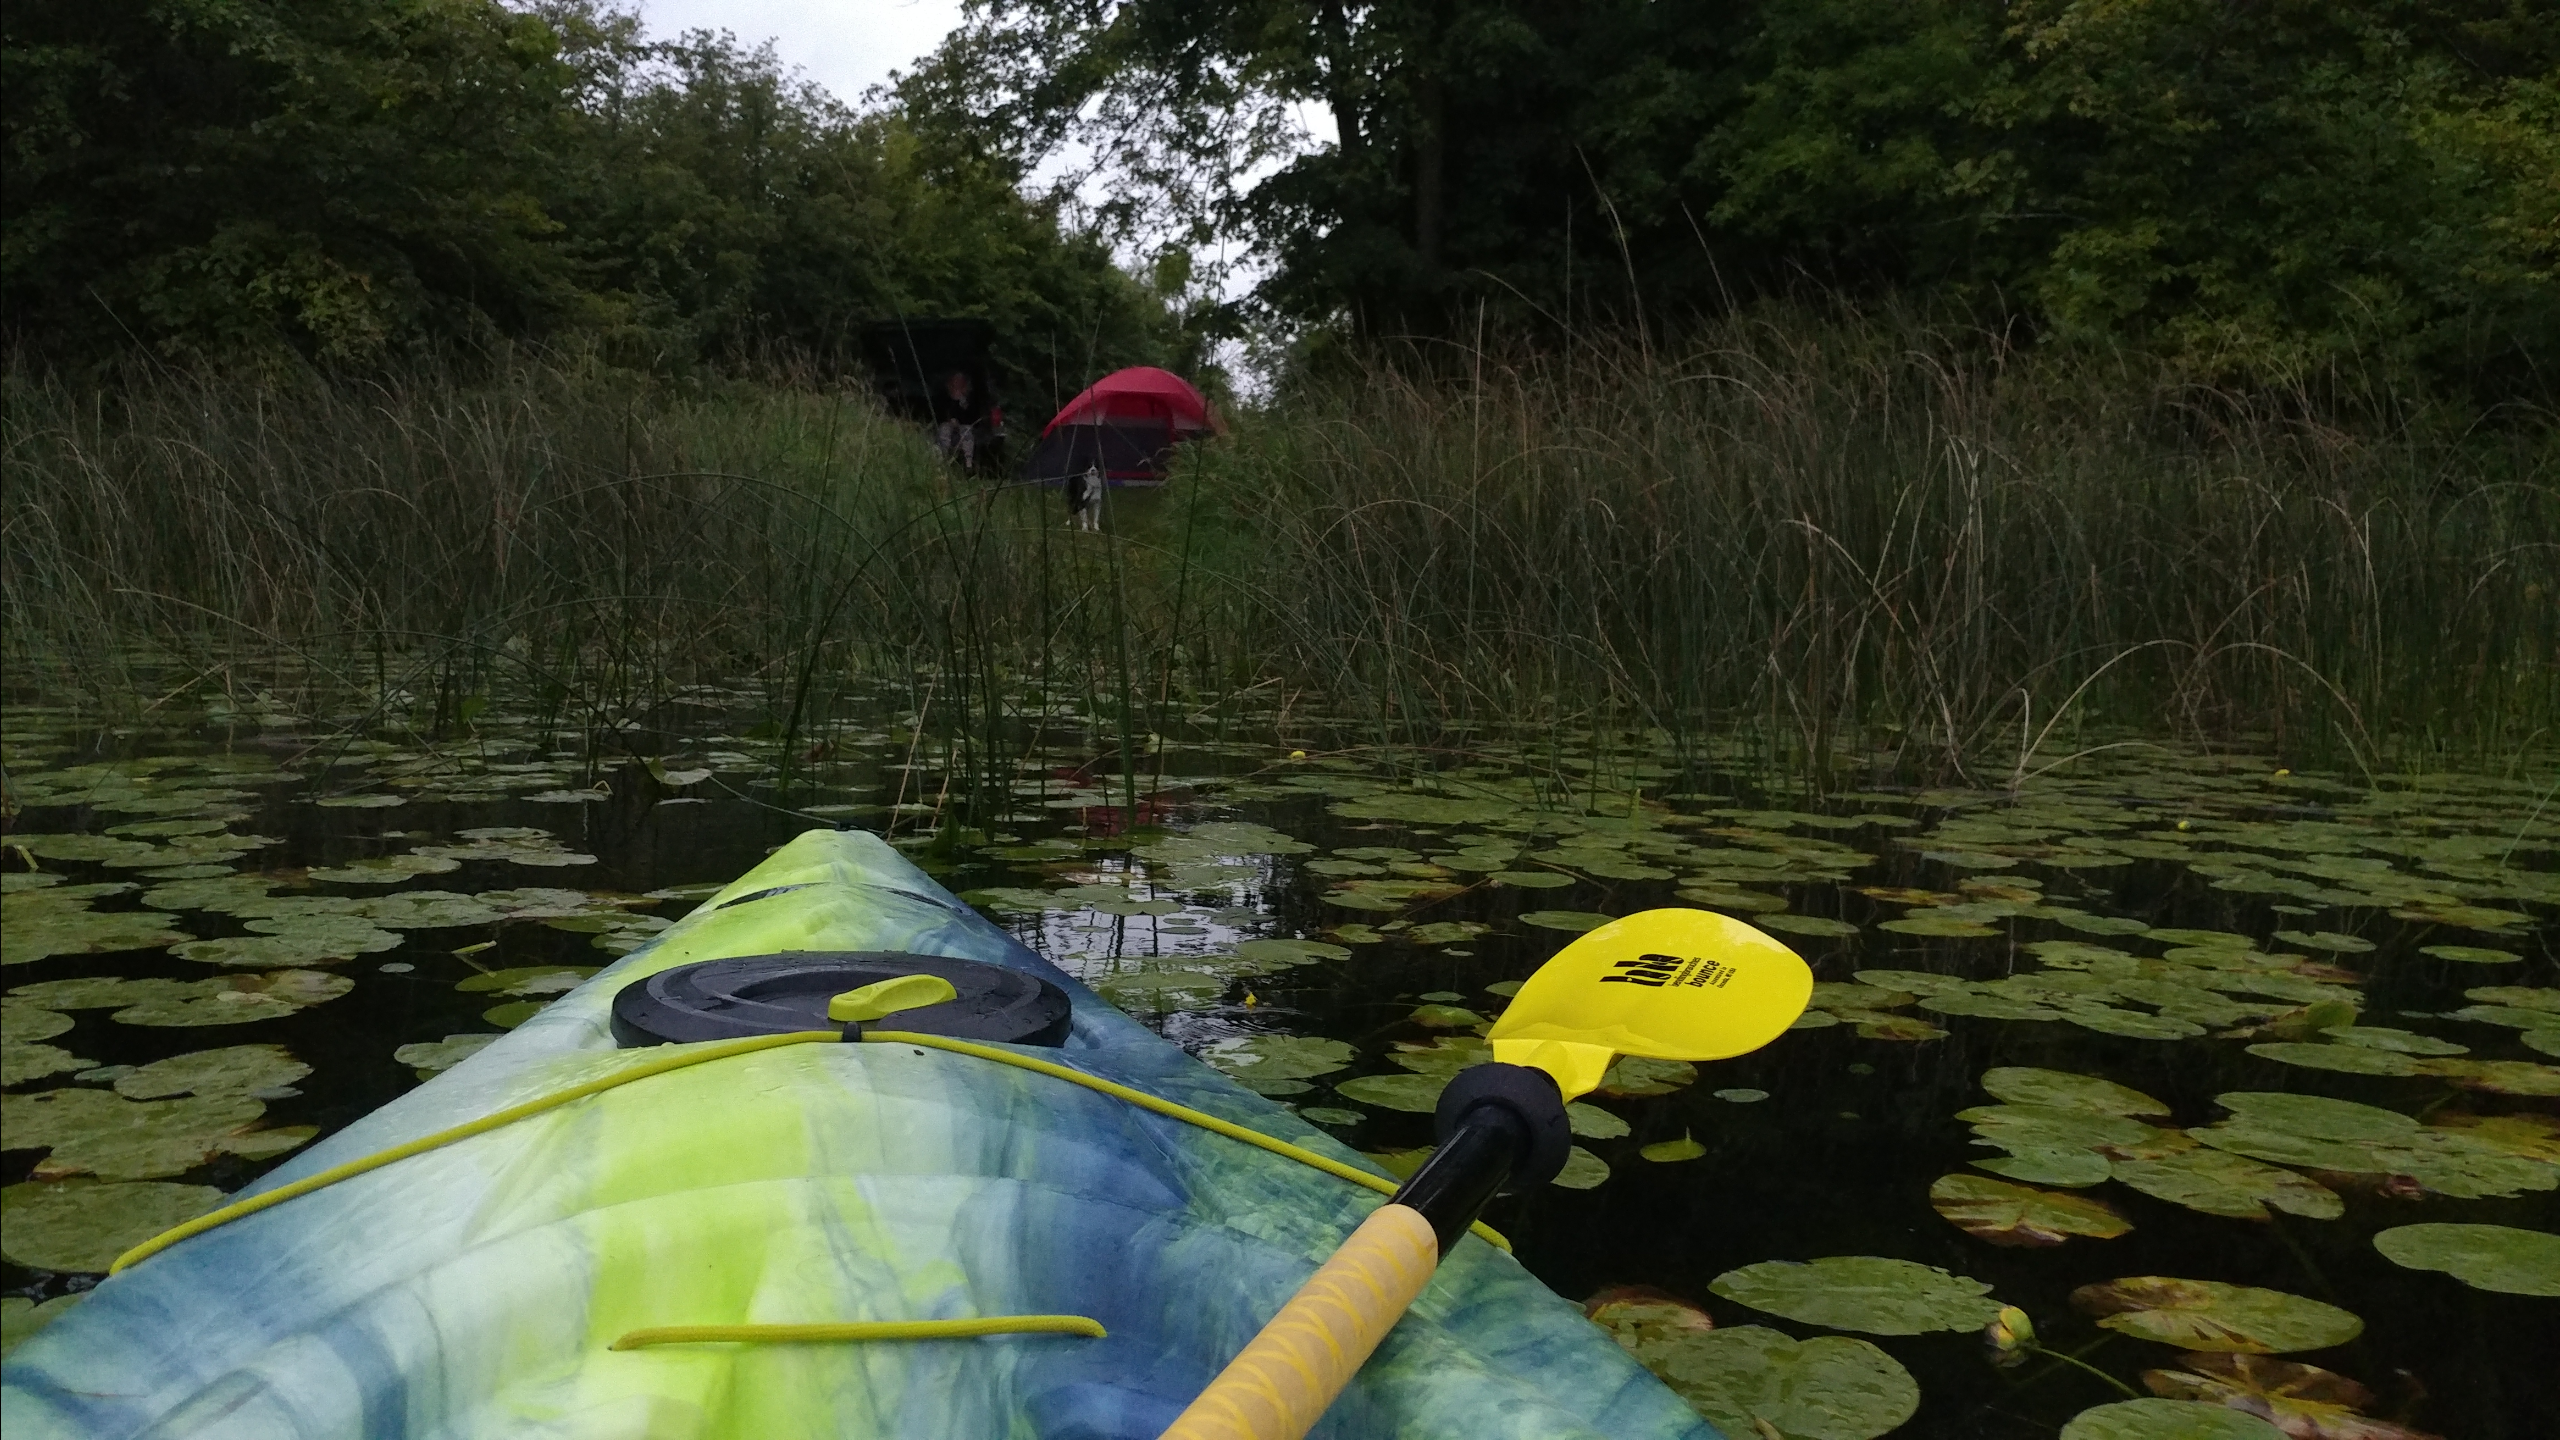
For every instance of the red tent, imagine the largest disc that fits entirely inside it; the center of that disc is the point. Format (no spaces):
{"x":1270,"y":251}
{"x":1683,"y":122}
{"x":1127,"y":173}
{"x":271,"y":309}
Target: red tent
{"x":1124,"y":425}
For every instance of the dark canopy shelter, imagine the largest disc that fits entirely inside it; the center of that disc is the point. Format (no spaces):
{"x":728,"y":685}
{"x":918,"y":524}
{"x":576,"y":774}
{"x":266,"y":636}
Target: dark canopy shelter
{"x":1125,"y":425}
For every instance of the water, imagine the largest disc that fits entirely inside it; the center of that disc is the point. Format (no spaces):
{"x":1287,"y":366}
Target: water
{"x":1170,"y":910}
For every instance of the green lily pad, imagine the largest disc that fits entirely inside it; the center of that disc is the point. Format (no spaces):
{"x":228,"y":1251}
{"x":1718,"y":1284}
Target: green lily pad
{"x":231,"y":1070}
{"x":2317,"y":1116}
{"x":1937,"y":927}
{"x":1633,"y":1075}
{"x":2497,"y":1077}
{"x":2301,"y":1400}
{"x":1253,"y":1059}
{"x":311,"y":943}
{"x":1329,"y":1115}
{"x":2345,"y":1059}
{"x":1278,"y":954}
{"x":513,"y":1014}
{"x":2007,"y":1214}
{"x":2329,"y":940}
{"x":2052,"y":1127}
{"x":1572,"y":921}
{"x":30,"y":932}
{"x":27,"y":1020}
{"x":527,"y":980}
{"x":2152,"y":1418}
{"x":2470,"y":954}
{"x":2024,"y":1085}
{"x":1445,"y":1056}
{"x":1751,"y":1380}
{"x":432,"y":1057}
{"x":1582,"y":1170}
{"x":92,"y":1132}
{"x":20,"y":1063}
{"x":2383,"y":1037}
{"x":2218,"y":1182}
{"x":517,"y":844}
{"x":1419,"y":809}
{"x":1668,"y":1152}
{"x":1987,"y":1007}
{"x":2071,"y":1169}
{"x":2132,"y":1024}
{"x":81,"y":1226}
{"x":2210,"y":1315}
{"x":1866,"y":1293}
{"x":21,"y":1318}
{"x":2546,"y":1040}
{"x":2203,"y":939}
{"x":1807,"y":925}
{"x":1443,"y":932}
{"x":1593,"y":1123}
{"x":1741,"y":1096}
{"x":1918,"y":982}
{"x":1875,"y":1025}
{"x":2518,"y":997}
{"x":1531,"y":879}
{"x":2484,"y":1257}
{"x":1165,"y":986}
{"x":386,"y":869}
{"x":1417,"y":1094}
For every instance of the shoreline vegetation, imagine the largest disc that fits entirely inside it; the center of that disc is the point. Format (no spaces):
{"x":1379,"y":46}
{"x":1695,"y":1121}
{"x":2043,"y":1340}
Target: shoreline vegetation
{"x":1866,"y":546}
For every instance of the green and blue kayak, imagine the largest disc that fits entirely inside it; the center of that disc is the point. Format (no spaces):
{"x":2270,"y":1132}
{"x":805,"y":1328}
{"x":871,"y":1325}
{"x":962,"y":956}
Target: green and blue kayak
{"x":546,"y":1274}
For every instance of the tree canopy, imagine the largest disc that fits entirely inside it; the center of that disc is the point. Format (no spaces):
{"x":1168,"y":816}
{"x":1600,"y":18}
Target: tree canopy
{"x":2259,"y":186}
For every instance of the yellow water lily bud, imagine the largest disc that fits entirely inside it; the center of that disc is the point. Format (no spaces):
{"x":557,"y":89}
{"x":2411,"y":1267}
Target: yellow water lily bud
{"x":1297,"y":754}
{"x":2010,"y":1335}
{"x":2183,"y":825}
{"x":2282,"y":773}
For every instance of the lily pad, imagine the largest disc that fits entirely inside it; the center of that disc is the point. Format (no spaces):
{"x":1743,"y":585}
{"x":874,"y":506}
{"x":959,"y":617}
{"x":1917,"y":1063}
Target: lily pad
{"x":1531,"y":879}
{"x":1278,"y":954}
{"x":2007,"y":1214}
{"x":2383,"y":1037}
{"x":2052,"y":1127}
{"x":2518,"y":997}
{"x":1867,"y":1293}
{"x":2484,"y":1257}
{"x":2153,"y":1418}
{"x":1666,"y":1152}
{"x":1873,"y":1025}
{"x":1445,"y":1017}
{"x":1752,"y":1380}
{"x":386,"y":869}
{"x":20,"y":1063}
{"x":1417,"y":1094}
{"x":81,"y":1226}
{"x":1573,"y":921}
{"x":2470,"y":954}
{"x":2025,"y":1085}
{"x":27,"y":1021}
{"x":21,"y":1318}
{"x":1255,"y":1059}
{"x":2316,"y":1116}
{"x":1418,"y":809}
{"x":1937,"y":927}
{"x":432,"y":1057}
{"x":2132,"y":1024}
{"x":1987,"y":1007}
{"x":2071,"y":1169}
{"x":91,"y":1132}
{"x":2211,"y":1315}
{"x":1807,"y":925}
{"x":1741,"y":1096}
{"x":2329,"y":940}
{"x":231,"y":1070}
{"x":1329,"y":1115}
{"x":2217,"y":1182}
{"x":1443,"y":932}
{"x":1582,"y":1170}
{"x":1633,"y":1075}
{"x":2497,"y":1077}
{"x":2302,"y":1400}
{"x":314,"y":942}
{"x":2346,"y":1059}
{"x":39,"y":932}
{"x":527,"y":980}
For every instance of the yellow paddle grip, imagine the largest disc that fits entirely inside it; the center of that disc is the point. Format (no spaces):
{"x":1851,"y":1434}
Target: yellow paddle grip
{"x":1280,"y":1385}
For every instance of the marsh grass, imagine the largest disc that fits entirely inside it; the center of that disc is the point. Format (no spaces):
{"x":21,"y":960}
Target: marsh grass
{"x":1855,"y":546}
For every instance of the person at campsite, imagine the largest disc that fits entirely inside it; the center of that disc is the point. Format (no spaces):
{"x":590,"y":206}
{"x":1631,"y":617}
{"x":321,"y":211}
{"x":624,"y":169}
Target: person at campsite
{"x":957,"y":412}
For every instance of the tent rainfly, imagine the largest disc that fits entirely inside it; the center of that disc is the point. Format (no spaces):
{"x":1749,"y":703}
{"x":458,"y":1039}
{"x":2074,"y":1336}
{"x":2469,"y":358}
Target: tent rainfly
{"x":1125,"y":425}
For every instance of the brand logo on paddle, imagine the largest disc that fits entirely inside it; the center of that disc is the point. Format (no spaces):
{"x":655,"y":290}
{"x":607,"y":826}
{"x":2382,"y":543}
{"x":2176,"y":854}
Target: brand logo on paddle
{"x":1661,"y":970}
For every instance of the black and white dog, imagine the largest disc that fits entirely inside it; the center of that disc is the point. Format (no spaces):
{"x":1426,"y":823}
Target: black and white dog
{"x":1084,"y":499}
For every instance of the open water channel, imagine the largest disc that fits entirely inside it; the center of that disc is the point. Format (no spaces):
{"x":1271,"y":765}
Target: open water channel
{"x":2238,"y":1083}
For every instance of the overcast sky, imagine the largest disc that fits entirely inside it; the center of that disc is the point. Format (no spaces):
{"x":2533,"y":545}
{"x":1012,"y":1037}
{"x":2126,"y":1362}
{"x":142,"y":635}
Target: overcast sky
{"x":846,"y":45}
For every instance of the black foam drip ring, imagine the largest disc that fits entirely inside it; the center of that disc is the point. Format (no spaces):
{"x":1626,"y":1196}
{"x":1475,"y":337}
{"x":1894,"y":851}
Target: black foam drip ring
{"x":778,"y":994}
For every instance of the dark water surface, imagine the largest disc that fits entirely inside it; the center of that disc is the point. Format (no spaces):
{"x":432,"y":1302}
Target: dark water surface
{"x":2023,"y":929}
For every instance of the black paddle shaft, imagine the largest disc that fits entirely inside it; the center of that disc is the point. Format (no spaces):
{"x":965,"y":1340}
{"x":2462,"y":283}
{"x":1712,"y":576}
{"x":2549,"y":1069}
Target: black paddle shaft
{"x":1500,"y":1126}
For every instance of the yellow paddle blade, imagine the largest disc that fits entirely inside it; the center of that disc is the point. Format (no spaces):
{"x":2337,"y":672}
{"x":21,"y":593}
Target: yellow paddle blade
{"x":1665,"y":984}
{"x":888,"y":997}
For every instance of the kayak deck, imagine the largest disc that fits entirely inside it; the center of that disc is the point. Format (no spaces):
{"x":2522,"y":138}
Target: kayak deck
{"x":475,"y":1289}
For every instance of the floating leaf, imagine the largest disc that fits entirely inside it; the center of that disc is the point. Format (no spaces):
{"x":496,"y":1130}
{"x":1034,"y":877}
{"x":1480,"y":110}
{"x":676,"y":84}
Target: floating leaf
{"x":312,"y":943}
{"x":1988,"y":1007}
{"x":1445,"y":1056}
{"x":527,"y":980}
{"x":1741,"y":1096}
{"x":1531,"y":879}
{"x":386,"y":869}
{"x":430,"y":1057}
{"x":2329,"y":940}
{"x":1279,"y":954}
{"x":2071,"y":1169}
{"x":1918,"y":982}
{"x":1130,"y":985}
{"x":2519,"y":997}
{"x":1445,"y":1017}
{"x":1255,"y":1059}
{"x":2203,"y":939}
{"x":1418,"y":1094}
{"x":2052,"y":1127}
{"x":1582,"y":1170}
{"x":2346,"y":1059}
{"x":21,"y":1318}
{"x":1753,"y":1381}
{"x":2484,"y":1257}
{"x":1573,"y":921}
{"x":30,"y":932}
{"x":2220,"y":1183}
{"x":232,"y":1070}
{"x":2303,"y":1401}
{"x":1593,"y":1123}
{"x":508,"y":1017}
{"x":2210,"y":1315}
{"x":2025,"y":1085}
{"x":1877,"y":1026}
{"x":2132,"y":1024}
{"x":95,"y":1133}
{"x":2497,"y":1077}
{"x":1418,"y":809}
{"x":24,"y":1023}
{"x":1937,"y":927}
{"x":2007,"y":1214}
{"x":2383,"y":1037}
{"x":1666,"y":1152}
{"x":2470,"y":954}
{"x":1868,"y":1293}
{"x":81,"y":1226}
{"x":2317,"y":1116}
{"x":1443,"y":932}
{"x":1807,"y":925}
{"x":20,"y":1063}
{"x":1634,"y":1075}
{"x":1328,"y":1115}
{"x":2158,"y":1419}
